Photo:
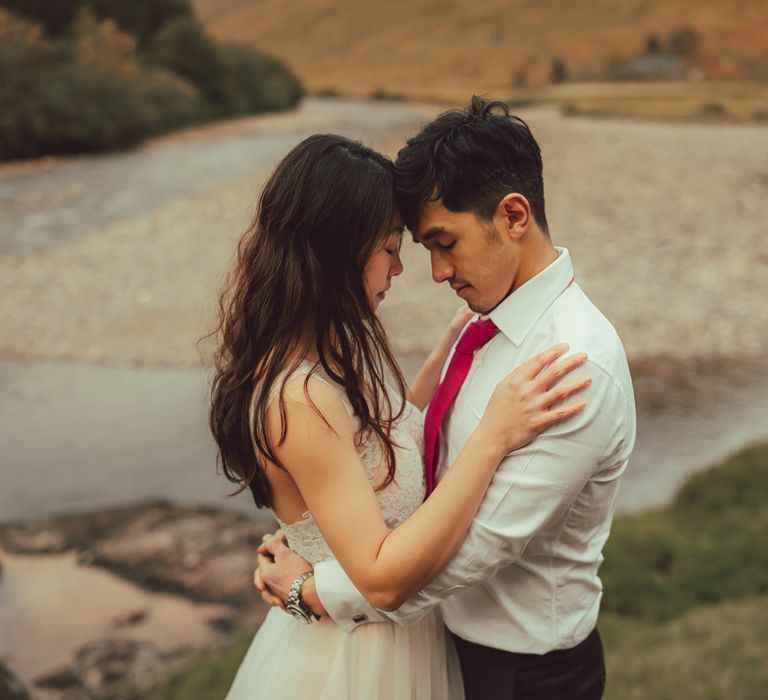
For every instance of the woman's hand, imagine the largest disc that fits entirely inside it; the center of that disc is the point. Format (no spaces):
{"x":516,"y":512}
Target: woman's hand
{"x":460,"y":319}
{"x":527,"y":401}
{"x":423,"y":387}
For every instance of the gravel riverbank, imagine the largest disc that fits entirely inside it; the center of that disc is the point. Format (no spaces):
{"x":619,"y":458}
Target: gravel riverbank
{"x":665,"y":223}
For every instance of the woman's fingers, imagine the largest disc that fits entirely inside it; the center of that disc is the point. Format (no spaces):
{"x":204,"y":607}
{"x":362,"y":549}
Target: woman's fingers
{"x":559,"y":393}
{"x":533,"y":367}
{"x":555,"y":371}
{"x":555,"y":415}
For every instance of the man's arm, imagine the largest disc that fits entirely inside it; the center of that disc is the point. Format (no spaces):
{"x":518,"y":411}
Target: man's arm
{"x":531,"y":489}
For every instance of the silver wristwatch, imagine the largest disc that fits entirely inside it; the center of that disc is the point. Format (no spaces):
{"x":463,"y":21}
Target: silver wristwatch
{"x":295,"y":605}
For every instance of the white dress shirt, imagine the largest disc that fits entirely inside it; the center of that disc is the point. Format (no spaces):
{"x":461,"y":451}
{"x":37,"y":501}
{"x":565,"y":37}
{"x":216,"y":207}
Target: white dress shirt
{"x":525,"y":579}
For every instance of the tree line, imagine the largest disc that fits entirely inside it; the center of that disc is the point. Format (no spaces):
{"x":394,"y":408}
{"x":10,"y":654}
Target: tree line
{"x":89,"y":75}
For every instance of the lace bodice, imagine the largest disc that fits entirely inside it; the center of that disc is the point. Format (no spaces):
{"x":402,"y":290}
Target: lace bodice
{"x":397,"y":500}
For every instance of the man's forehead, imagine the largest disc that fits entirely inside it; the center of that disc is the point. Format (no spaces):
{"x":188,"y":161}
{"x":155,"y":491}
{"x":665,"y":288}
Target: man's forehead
{"x":434,"y":219}
{"x":431,"y":221}
{"x":422,"y":235}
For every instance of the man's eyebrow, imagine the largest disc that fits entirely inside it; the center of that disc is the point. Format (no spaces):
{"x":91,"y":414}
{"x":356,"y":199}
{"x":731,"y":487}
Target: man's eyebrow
{"x":430,"y":234}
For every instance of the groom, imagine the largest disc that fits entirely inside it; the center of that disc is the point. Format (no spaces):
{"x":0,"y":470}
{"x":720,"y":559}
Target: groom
{"x":521,"y":596}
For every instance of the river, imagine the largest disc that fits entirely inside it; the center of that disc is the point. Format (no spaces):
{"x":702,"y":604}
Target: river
{"x":78,"y":436}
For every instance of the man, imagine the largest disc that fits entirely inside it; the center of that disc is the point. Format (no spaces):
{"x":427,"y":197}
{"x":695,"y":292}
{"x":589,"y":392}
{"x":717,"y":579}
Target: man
{"x":521,"y":597}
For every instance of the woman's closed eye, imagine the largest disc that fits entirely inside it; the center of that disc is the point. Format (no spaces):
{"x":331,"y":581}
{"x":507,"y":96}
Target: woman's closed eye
{"x":394,"y":247}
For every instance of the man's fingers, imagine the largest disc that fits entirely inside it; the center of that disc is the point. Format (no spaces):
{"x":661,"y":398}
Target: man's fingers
{"x":262,"y":561}
{"x":277,"y":535}
{"x":258,"y":581}
{"x":266,"y":593}
{"x":270,"y":599}
{"x":273,"y":547}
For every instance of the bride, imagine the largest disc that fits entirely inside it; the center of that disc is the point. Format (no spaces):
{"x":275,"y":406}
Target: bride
{"x":311,"y":413}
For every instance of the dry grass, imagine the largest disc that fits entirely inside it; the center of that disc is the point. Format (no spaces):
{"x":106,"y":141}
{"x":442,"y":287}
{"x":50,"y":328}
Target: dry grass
{"x":439,"y":49}
{"x":674,"y":100}
{"x":712,"y":653}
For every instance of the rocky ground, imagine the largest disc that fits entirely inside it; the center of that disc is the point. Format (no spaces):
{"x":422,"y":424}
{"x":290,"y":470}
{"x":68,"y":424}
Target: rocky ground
{"x":664,"y":222}
{"x":200,"y":553}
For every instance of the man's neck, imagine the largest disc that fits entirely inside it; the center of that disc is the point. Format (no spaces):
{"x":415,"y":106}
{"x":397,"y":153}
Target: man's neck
{"x":538,"y":253}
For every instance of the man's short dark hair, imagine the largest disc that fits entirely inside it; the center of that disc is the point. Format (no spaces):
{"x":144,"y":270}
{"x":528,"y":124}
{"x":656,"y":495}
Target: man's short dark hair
{"x":470,"y":159}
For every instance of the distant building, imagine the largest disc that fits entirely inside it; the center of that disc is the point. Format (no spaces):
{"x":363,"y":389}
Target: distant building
{"x":650,"y":66}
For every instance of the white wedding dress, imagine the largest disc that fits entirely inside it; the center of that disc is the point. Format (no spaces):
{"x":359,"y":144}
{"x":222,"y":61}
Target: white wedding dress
{"x":289,"y":660}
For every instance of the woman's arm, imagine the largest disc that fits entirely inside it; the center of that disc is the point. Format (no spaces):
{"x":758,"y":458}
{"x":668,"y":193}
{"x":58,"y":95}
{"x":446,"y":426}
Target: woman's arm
{"x":423,"y":387}
{"x":389,"y":566}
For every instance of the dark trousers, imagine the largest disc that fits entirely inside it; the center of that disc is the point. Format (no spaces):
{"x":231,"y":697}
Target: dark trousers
{"x":564,"y":674}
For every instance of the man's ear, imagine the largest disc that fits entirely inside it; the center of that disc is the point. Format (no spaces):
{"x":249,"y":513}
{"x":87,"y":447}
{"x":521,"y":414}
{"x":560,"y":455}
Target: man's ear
{"x":514,"y":214}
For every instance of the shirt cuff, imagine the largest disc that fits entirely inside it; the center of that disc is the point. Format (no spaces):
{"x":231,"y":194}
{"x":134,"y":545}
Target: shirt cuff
{"x":346,"y":606}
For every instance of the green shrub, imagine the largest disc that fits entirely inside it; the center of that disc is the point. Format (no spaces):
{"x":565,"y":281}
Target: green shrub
{"x":95,"y":89}
{"x":141,"y":18}
{"x":55,"y":15}
{"x":257,"y":82}
{"x":703,"y":549}
{"x":171,"y":102}
{"x":181,"y":46}
{"x":206,"y":675}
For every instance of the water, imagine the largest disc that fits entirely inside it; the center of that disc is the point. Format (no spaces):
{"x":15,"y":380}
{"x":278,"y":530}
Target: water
{"x":39,"y":632}
{"x":76,"y":195}
{"x":77,"y":438}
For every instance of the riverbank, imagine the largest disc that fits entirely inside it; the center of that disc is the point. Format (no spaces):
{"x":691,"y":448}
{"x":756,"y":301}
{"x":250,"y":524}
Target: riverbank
{"x":628,"y":199}
{"x":685,"y":596}
{"x":109,"y":601}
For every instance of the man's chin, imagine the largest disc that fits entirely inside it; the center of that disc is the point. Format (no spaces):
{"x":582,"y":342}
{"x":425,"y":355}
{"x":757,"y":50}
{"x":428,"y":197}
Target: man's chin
{"x":482,"y":310}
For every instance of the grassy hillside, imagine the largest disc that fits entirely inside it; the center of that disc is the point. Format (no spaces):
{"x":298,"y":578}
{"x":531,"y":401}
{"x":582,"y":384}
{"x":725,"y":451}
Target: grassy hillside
{"x":450,"y":47}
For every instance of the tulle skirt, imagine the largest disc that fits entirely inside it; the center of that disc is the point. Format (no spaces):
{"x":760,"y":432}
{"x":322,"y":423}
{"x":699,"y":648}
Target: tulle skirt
{"x":378,"y":661}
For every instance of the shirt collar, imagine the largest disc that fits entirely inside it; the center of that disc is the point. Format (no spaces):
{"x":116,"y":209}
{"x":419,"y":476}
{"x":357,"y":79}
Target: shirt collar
{"x":516,"y":315}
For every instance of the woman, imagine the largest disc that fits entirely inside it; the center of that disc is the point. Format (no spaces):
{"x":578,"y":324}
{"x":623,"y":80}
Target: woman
{"x":304,"y":417}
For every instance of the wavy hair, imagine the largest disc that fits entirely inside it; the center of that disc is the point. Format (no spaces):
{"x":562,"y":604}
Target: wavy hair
{"x":298,"y":274}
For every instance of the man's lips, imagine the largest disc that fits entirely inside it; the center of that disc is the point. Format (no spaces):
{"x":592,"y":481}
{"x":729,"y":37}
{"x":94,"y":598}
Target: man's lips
{"x":459,"y":288}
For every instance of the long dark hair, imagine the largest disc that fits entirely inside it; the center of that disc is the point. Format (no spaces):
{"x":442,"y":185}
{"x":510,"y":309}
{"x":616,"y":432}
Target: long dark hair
{"x":299,"y":269}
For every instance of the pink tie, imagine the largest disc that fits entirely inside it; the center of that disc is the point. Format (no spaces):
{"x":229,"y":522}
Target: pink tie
{"x":477,"y":334}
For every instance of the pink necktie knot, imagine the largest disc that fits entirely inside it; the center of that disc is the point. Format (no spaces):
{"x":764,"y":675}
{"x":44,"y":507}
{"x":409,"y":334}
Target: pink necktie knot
{"x":477,"y":334}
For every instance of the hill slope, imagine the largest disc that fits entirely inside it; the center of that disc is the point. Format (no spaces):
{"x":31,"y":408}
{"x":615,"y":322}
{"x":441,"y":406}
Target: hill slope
{"x":436,"y":47}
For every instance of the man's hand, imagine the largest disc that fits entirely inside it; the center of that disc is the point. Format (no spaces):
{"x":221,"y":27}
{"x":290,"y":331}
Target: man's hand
{"x":279,"y":566}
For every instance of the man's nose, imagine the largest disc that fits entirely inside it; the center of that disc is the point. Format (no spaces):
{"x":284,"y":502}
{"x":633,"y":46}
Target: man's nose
{"x":441,"y":269}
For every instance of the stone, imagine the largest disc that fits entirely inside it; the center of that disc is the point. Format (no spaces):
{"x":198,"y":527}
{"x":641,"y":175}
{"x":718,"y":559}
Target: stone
{"x":60,"y":679}
{"x":11,"y":687}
